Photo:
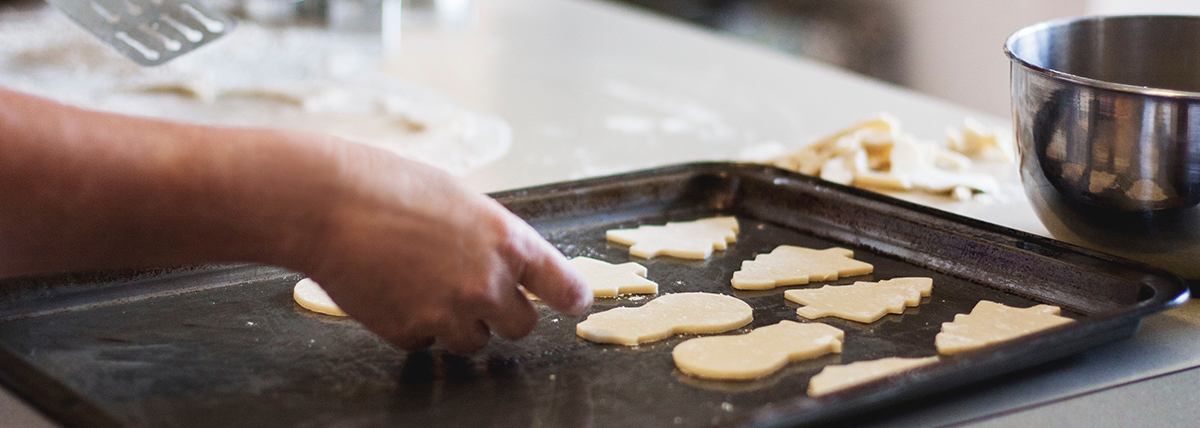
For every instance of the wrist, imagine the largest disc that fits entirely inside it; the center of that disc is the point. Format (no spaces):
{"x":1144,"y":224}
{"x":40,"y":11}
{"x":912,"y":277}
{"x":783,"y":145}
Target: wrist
{"x":285,"y":197}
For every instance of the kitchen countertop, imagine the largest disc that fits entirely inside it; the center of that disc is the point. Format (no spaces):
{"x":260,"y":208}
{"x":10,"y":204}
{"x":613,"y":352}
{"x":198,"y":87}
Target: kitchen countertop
{"x":593,"y":88}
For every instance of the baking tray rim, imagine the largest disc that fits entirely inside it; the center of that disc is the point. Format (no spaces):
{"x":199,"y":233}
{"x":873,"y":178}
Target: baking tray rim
{"x":1128,"y":317}
{"x":985,"y":363}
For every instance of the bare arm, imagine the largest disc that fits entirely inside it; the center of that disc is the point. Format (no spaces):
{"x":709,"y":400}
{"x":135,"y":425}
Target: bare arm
{"x":399,"y":245}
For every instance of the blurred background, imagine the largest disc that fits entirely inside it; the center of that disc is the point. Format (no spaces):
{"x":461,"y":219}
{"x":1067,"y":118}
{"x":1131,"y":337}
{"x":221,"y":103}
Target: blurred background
{"x":950,"y":49}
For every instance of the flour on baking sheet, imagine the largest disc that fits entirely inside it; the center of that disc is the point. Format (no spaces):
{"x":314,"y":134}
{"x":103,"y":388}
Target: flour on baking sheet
{"x":293,"y":78}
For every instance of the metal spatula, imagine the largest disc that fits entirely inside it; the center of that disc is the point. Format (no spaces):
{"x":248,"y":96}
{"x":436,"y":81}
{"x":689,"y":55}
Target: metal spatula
{"x":150,"y":32}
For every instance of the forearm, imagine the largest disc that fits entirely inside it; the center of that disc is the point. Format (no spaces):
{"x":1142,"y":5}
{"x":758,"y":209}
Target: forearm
{"x":81,"y":189}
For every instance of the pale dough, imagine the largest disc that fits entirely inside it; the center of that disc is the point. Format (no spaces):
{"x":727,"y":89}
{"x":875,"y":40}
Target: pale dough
{"x":686,"y":239}
{"x":865,"y":302}
{"x":758,"y":353}
{"x":990,"y":323}
{"x":311,"y":296}
{"x":790,"y":265}
{"x":876,"y":154}
{"x":835,"y":378}
{"x":809,"y":159}
{"x":609,"y":280}
{"x":667,"y":315}
{"x":976,"y":140}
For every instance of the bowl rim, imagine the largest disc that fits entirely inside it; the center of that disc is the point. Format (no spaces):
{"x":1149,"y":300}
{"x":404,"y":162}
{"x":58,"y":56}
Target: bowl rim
{"x":1102,"y":84}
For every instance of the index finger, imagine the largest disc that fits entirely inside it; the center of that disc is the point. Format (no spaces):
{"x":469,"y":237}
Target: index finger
{"x":548,"y":275}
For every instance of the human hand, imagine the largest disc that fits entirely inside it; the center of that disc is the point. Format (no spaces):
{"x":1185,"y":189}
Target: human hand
{"x":401,"y":246}
{"x":414,"y":256}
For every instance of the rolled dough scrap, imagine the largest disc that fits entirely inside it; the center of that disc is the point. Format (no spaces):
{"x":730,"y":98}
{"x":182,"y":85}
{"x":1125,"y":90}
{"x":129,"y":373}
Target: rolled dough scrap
{"x":835,"y":378}
{"x":609,"y":280}
{"x":875,"y":154}
{"x":665,"y":316}
{"x":865,"y":302}
{"x":990,"y":323}
{"x":311,"y":296}
{"x":687,"y":239}
{"x":758,"y":353}
{"x":809,"y":159}
{"x":790,"y":265}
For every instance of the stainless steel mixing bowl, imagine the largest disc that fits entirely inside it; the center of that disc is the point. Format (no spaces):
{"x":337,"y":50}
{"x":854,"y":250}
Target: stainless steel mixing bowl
{"x":1107,"y":118}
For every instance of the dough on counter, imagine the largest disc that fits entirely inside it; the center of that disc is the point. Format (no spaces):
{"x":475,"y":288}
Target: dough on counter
{"x":667,"y":315}
{"x":790,"y":265}
{"x":685,"y":239}
{"x":758,"y":353}
{"x":990,"y":323}
{"x":876,"y":154}
{"x":835,"y":378}
{"x":291,"y":77}
{"x":980,"y":142}
{"x":610,"y":280}
{"x":311,"y":296}
{"x":865,"y":302}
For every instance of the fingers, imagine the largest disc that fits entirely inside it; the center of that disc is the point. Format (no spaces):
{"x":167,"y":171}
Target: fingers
{"x":464,"y":337}
{"x":547,"y":273}
{"x":413,"y":342}
{"x":515,"y":317}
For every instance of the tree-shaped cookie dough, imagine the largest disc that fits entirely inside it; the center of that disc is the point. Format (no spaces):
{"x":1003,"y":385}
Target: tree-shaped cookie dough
{"x":758,"y":353}
{"x":990,"y":322}
{"x":790,"y":265}
{"x":686,"y":239}
{"x":609,"y":280}
{"x":835,"y":378}
{"x":665,"y":316}
{"x":864,"y":302}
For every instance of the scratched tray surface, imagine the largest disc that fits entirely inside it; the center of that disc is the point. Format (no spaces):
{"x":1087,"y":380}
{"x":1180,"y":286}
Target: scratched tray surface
{"x":228,"y":346}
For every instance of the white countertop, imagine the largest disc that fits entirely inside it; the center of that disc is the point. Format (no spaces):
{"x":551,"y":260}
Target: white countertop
{"x":592,"y":88}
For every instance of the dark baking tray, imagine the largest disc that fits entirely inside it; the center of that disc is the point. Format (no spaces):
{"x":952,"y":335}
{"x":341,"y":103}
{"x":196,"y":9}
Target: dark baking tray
{"x":226,"y":346}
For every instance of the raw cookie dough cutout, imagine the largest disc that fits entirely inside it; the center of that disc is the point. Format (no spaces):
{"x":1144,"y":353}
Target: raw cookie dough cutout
{"x":757,"y":353}
{"x":667,"y":315}
{"x":309,"y":295}
{"x":686,"y":239}
{"x":865,"y":302}
{"x":791,"y":265}
{"x":835,"y":378}
{"x":990,"y":323}
{"x":611,"y":280}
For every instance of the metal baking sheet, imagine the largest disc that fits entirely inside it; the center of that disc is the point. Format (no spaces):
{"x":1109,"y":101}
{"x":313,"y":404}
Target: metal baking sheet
{"x":226,"y":346}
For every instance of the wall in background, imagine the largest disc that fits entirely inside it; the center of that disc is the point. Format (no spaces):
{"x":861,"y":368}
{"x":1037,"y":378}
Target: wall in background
{"x":955,"y":49}
{"x":950,"y":49}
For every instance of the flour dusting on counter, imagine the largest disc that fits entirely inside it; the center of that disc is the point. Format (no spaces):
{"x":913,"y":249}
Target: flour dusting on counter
{"x":292,"y":78}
